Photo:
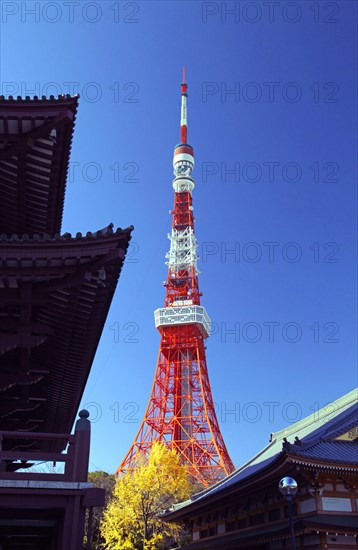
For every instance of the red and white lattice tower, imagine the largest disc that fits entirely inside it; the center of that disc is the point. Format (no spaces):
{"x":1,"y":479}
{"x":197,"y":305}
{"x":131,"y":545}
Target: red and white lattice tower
{"x":180,"y":410}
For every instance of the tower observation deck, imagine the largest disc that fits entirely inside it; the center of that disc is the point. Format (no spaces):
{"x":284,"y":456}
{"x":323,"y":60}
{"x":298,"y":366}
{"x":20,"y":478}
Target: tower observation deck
{"x":180,"y":411}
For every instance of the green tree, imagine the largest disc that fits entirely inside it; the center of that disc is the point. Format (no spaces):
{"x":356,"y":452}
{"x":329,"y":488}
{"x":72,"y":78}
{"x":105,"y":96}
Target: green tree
{"x":132,"y":520}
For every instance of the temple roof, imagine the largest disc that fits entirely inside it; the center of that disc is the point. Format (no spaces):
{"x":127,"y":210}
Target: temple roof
{"x":338,"y":452}
{"x":327,"y":437}
{"x":35,"y":144}
{"x":55,"y":294}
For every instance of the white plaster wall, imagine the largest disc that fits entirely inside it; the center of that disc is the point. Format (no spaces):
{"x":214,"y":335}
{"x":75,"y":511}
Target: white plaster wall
{"x":337,"y":504}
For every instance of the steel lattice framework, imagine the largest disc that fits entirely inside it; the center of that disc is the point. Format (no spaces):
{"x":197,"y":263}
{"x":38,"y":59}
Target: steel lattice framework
{"x":180,"y":410}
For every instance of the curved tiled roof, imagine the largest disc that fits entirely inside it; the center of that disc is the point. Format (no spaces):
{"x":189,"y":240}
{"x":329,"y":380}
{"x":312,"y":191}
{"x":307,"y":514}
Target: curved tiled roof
{"x":35,"y":237}
{"x":56,"y":299}
{"x":35,"y":144}
{"x":35,"y":99}
{"x":314,"y":441}
{"x":332,"y":452}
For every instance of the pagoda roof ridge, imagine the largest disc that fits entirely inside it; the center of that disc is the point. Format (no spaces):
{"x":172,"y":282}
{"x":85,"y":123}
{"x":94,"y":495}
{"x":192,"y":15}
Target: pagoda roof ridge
{"x":101,"y":233}
{"x":61,"y":97}
{"x":308,"y":425}
{"x":331,"y":430}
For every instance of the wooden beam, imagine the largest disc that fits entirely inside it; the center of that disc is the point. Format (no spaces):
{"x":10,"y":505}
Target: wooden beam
{"x":14,"y":341}
{"x":10,"y":407}
{"x":34,"y":327}
{"x":7,"y":380}
{"x":27,"y":140}
{"x":31,"y":455}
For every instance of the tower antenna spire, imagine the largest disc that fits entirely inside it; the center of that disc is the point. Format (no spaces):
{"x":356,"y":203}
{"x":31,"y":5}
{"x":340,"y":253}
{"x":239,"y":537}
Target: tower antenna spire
{"x":183,"y":115}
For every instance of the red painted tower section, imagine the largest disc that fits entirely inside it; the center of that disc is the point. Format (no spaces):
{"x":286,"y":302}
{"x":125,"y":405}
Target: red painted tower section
{"x":180,"y":410}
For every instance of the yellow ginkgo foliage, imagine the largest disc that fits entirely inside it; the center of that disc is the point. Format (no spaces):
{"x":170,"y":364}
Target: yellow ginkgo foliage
{"x":132,"y":520}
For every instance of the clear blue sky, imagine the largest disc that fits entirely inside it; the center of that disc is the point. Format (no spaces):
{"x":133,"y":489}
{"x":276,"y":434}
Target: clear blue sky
{"x":289,"y":131}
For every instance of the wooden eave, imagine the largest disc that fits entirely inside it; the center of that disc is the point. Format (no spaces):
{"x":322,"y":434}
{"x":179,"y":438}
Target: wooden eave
{"x":52,"y":311}
{"x":259,"y":479}
{"x":323,"y":465}
{"x":35,"y":144}
{"x":221,"y":498}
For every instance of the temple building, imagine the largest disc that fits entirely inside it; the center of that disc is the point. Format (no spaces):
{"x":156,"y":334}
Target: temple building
{"x":55,"y":293}
{"x":247,"y":510}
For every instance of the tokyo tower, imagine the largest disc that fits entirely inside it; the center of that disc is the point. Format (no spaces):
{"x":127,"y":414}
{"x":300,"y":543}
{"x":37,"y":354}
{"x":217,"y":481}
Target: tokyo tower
{"x":180,"y":411}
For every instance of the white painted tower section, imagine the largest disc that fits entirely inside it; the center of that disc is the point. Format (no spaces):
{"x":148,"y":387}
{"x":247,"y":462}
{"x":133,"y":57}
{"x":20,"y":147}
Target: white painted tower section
{"x":182,"y":253}
{"x":183,"y":118}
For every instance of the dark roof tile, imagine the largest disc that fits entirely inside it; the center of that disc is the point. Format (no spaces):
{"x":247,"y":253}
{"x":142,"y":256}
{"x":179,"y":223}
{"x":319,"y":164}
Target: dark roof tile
{"x":337,"y":452}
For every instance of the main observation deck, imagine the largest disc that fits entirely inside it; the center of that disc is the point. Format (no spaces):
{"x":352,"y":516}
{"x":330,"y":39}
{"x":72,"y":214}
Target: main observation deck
{"x":183,"y":315}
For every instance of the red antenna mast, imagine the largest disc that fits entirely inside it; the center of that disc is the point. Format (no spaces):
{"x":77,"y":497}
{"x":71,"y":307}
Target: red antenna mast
{"x":180,"y":411}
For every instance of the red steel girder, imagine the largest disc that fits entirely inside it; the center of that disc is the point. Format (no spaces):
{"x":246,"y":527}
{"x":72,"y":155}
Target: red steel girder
{"x":181,"y":410}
